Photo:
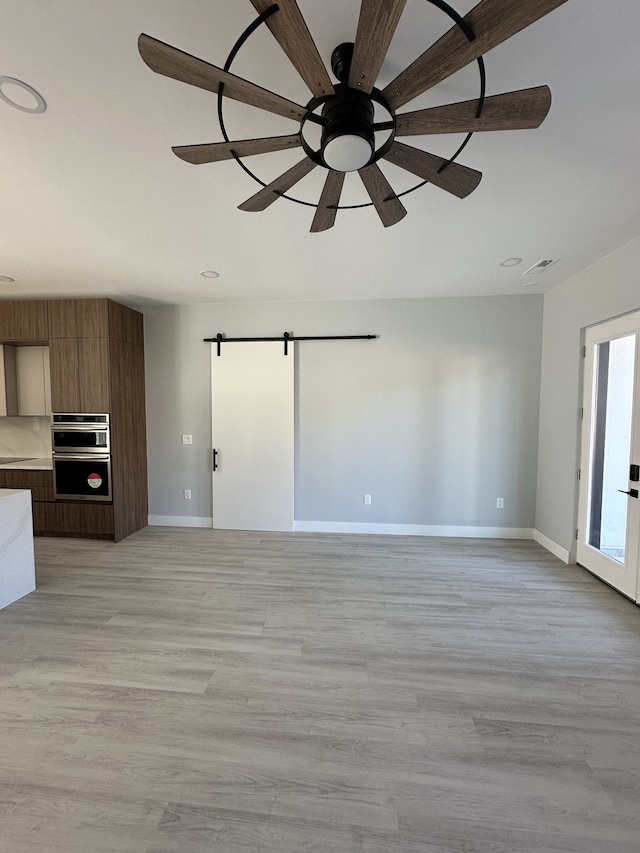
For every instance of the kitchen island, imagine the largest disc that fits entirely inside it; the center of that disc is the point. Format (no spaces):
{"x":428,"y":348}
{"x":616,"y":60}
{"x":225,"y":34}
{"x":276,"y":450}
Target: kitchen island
{"x":17,"y":565}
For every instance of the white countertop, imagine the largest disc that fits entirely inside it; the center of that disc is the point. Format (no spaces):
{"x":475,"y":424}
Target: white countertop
{"x":43,"y":464}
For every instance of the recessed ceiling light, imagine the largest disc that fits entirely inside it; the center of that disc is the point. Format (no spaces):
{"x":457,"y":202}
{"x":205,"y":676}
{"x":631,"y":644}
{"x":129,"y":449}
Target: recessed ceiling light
{"x":39,"y":106}
{"x":210,"y":274}
{"x":511,"y":262}
{"x":6,"y":278}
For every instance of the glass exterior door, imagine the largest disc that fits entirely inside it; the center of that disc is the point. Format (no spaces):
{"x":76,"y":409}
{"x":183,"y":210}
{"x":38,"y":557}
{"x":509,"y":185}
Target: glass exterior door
{"x":609,"y":515}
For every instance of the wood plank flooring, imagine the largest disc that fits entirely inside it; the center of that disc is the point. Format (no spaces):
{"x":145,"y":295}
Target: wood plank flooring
{"x":198,"y":691}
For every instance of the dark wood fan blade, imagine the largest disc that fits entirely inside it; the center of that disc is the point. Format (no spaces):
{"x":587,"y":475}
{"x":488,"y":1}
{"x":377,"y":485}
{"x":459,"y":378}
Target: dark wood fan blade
{"x":390,"y":209}
{"x":292,"y":34}
{"x":165,"y":59}
{"x":376,"y":26}
{"x":456,"y":179}
{"x":266,"y":196}
{"x":213,"y":152}
{"x":329,"y":201}
{"x":493,"y":21}
{"x":521,"y":110}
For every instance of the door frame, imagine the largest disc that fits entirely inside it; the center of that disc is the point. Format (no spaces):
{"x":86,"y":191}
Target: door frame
{"x":602,"y":566}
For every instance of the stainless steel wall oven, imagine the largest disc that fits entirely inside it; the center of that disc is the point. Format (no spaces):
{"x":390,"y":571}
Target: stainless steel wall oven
{"x":77,"y":433}
{"x":81,"y":456}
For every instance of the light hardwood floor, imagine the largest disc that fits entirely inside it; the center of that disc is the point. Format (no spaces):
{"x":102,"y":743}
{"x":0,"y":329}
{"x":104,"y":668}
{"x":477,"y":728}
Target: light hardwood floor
{"x":192,"y":691}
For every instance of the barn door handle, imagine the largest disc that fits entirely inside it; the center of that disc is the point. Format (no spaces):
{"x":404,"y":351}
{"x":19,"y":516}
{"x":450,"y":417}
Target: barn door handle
{"x":632,"y":492}
{"x":215,"y":459}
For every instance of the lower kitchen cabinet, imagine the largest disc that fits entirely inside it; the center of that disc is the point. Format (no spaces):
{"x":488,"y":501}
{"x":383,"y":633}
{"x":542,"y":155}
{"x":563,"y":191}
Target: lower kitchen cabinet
{"x":60,"y":518}
{"x":73,"y":518}
{"x":40,"y":483}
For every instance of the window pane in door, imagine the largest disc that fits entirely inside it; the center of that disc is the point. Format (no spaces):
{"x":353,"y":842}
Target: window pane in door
{"x":610,"y":447}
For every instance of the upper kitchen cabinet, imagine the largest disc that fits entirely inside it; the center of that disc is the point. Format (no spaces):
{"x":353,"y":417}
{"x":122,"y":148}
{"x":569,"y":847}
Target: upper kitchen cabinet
{"x":22,"y":322}
{"x":79,"y":335}
{"x":79,"y":318}
{"x":80,"y":375}
{"x":125,"y":325}
{"x":65,"y":381}
{"x":93,"y":374}
{"x":95,"y":318}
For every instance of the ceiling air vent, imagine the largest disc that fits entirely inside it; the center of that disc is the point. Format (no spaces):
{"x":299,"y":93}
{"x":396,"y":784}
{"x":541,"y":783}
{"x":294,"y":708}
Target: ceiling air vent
{"x":540,"y":267}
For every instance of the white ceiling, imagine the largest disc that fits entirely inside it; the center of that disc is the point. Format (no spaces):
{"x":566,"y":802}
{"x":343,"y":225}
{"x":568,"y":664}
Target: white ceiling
{"x":94,"y":203}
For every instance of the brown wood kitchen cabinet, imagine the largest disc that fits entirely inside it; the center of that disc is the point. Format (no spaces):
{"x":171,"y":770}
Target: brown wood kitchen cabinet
{"x":96,"y":349}
{"x":24,"y":322}
{"x":80,"y":318}
{"x":96,"y":353}
{"x":79,"y":374}
{"x":39,"y":482}
{"x":81,"y":352}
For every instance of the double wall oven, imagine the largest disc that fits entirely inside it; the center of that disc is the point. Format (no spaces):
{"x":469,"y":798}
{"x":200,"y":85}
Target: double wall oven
{"x":81,"y":456}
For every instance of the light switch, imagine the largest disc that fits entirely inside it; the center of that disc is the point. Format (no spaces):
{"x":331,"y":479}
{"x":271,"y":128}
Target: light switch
{"x":187,"y":439}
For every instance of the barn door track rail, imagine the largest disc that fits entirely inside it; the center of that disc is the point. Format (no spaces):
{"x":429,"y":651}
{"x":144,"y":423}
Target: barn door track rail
{"x":286,"y":338}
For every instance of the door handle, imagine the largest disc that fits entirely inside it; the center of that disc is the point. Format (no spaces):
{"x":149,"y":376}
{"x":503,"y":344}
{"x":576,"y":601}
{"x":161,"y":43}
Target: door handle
{"x":215,"y":459}
{"x":633,"y":493}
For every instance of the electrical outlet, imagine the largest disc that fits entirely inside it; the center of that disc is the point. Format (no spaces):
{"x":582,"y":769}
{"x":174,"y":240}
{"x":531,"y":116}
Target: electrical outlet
{"x":367,"y":500}
{"x":187,"y":439}
{"x":187,"y":494}
{"x":500,"y":503}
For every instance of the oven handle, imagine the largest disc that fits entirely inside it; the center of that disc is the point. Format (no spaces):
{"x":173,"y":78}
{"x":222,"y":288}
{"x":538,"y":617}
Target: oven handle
{"x":81,"y":457}
{"x":58,"y":427}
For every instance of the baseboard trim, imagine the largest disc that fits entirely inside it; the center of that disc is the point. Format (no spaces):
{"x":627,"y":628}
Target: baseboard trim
{"x":557,"y":550}
{"x":388,"y":530}
{"x":413,"y":529}
{"x":179,"y":521}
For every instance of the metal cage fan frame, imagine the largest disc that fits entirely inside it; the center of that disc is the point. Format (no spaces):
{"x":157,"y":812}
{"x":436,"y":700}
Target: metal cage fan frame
{"x":345,"y":111}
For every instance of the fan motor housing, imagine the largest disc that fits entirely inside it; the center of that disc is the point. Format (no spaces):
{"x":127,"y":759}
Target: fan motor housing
{"x":348,"y":141}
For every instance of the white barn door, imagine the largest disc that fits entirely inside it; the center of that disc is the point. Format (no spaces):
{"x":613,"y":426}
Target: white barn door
{"x":252,"y":387}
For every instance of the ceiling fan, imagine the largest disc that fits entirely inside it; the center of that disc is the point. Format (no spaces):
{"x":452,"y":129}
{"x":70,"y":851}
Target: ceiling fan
{"x":346,"y":111}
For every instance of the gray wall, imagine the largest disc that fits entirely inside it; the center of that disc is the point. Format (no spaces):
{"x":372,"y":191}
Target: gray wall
{"x":435,"y":419}
{"x":608,"y":288}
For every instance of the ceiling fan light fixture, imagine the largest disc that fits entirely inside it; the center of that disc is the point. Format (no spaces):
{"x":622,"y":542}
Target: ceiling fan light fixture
{"x":348,"y":141}
{"x":347,"y":153}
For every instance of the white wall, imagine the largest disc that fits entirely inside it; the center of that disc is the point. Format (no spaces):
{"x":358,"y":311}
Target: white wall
{"x":435,"y":419}
{"x":608,"y":288}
